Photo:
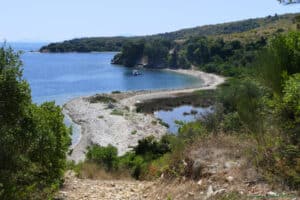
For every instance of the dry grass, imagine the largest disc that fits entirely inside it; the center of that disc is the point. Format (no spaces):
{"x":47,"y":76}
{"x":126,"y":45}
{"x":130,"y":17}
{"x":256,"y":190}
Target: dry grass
{"x":94,"y":171}
{"x":216,"y":151}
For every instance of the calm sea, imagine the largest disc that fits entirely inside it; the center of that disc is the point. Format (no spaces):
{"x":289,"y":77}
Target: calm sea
{"x":61,"y":77}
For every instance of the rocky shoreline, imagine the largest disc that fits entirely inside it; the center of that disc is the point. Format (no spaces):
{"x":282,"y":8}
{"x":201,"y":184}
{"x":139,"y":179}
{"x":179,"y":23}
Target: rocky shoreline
{"x":117,"y":123}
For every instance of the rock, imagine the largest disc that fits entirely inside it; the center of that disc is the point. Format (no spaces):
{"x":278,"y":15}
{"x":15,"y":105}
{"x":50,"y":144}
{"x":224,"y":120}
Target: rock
{"x":199,"y":182}
{"x":191,"y":194}
{"x":230,"y":164}
{"x":162,"y":176}
{"x":210,"y":192}
{"x":272,"y":194}
{"x":219,"y":191}
{"x":197,"y":168}
{"x":229,"y":178}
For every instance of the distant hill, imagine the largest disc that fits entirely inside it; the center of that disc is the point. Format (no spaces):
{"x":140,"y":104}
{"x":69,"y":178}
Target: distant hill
{"x":242,"y":30}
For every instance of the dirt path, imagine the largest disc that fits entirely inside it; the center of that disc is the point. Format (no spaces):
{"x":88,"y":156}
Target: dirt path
{"x":87,"y":189}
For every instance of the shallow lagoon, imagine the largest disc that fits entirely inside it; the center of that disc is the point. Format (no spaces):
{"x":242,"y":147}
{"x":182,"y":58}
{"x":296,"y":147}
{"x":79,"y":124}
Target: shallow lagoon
{"x":185,"y":113}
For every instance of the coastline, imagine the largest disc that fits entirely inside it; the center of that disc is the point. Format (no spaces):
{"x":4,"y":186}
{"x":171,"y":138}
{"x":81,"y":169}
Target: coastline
{"x":100,"y":126}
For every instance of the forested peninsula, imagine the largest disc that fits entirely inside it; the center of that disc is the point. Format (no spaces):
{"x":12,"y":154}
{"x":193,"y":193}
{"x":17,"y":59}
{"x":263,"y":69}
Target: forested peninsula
{"x":223,"y":48}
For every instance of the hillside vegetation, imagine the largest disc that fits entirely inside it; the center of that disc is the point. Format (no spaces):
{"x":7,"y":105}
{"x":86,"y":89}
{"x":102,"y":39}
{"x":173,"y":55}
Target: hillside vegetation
{"x":251,"y":27}
{"x":223,"y":48}
{"x":256,"y":118}
{"x":34,"y":139}
{"x":257,"y":111}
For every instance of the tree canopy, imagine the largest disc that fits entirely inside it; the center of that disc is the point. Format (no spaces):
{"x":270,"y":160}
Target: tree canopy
{"x":34,"y":139}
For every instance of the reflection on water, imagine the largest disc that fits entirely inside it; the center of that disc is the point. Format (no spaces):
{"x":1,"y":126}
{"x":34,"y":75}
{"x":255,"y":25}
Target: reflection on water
{"x":183,"y":113}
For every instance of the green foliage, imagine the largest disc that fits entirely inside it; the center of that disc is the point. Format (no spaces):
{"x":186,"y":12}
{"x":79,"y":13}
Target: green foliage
{"x":101,"y":99}
{"x":269,"y":108}
{"x":280,"y":59}
{"x":86,"y":45}
{"x":242,"y":29}
{"x":117,"y":112}
{"x":131,"y":53}
{"x":232,"y":122}
{"x":226,"y":49}
{"x":152,"y":149}
{"x":34,"y":140}
{"x":156,"y":51}
{"x":104,"y":156}
{"x":211,"y":55}
{"x":291,"y":103}
{"x":136,"y":162}
{"x":161,"y":122}
{"x":190,"y":131}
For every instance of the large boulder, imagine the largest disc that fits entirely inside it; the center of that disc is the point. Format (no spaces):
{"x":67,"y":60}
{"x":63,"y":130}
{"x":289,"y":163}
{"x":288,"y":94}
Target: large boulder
{"x":198,"y":168}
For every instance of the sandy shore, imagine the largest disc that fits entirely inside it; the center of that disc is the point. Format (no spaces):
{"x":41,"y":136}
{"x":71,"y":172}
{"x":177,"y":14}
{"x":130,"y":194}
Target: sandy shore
{"x":210,"y":81}
{"x":121,"y":126}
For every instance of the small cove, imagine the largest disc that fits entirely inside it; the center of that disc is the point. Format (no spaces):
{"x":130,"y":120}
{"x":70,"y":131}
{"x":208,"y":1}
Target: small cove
{"x":61,"y":77}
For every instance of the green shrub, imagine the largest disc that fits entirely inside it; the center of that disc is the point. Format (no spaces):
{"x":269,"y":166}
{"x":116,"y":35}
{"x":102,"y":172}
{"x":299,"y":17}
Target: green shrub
{"x":116,"y":92}
{"x":117,"y":112}
{"x":34,"y":139}
{"x":231,"y":122}
{"x":149,"y":147}
{"x":161,"y":122}
{"x":101,"y":99}
{"x":105,"y":156}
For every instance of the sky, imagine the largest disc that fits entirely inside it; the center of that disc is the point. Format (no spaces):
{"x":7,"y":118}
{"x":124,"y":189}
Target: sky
{"x":58,"y":20}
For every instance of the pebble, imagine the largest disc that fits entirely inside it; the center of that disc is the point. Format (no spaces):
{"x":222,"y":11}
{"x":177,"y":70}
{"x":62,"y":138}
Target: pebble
{"x":209,"y":192}
{"x":272,"y":194}
{"x":199,"y":182}
{"x":229,"y":178}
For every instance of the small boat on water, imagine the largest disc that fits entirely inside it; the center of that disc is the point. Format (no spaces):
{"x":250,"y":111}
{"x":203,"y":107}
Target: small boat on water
{"x":136,"y":72}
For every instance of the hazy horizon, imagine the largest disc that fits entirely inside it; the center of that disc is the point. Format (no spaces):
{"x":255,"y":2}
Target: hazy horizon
{"x":50,"y":21}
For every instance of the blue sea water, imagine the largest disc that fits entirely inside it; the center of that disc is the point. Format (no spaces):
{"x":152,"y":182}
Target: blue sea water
{"x":63,"y":76}
{"x":60,"y":77}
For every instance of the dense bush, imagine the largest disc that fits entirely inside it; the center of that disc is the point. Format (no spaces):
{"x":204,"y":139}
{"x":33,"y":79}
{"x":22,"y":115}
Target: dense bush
{"x":136,"y":162}
{"x":261,"y":103}
{"x":154,"y":51}
{"x":267,"y":106}
{"x":105,"y":156}
{"x":116,"y":43}
{"x":34,"y":139}
{"x":211,"y":55}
